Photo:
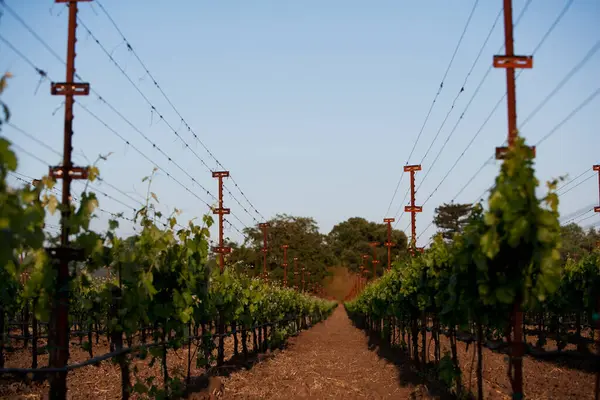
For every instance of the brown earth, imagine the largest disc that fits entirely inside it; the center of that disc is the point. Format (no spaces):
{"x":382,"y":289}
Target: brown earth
{"x":339,"y":284}
{"x":104,"y":380}
{"x":333,"y":360}
{"x":542,"y":380}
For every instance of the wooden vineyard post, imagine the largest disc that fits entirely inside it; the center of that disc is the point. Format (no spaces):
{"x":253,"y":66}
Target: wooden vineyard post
{"x":295,"y":273}
{"x":597,"y":316}
{"x":221,"y":250}
{"x":389,"y":243}
{"x":509,"y":61}
{"x":264,"y":226}
{"x":374,"y":261}
{"x":285,"y":264}
{"x":413,"y":209}
{"x":361,"y":285}
{"x":302,"y":279}
{"x":365,"y":257}
{"x":597,"y":169}
{"x":59,"y":319}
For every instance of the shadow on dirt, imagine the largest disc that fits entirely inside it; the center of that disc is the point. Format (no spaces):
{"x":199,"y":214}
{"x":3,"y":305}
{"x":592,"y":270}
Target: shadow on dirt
{"x":201,"y":386}
{"x":408,"y":375}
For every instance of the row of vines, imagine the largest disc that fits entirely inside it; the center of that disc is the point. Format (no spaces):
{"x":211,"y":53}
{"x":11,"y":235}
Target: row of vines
{"x":506,"y":262}
{"x":160,"y":293}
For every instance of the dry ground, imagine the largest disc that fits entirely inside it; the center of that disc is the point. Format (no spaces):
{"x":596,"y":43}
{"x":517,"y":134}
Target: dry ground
{"x":330,"y":361}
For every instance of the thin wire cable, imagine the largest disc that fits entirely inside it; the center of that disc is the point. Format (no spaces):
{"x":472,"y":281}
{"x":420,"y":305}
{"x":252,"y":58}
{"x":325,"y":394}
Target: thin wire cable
{"x":22,"y":150}
{"x":113,"y":131}
{"x":41,"y":143}
{"x":469,"y":73}
{"x":573,"y":214}
{"x":118,"y":113}
{"x":155,"y":146}
{"x":154,"y":109}
{"x":434,"y":101}
{"x":103,"y":181}
{"x":30,"y":136}
{"x":567,"y":77}
{"x":120,"y":136}
{"x":158,"y":167}
{"x":132,"y":50}
{"x":41,"y":72}
{"x":574,"y":112}
{"x":481,"y":82}
{"x":593,"y":224}
{"x":110,"y":197}
{"x":586,"y":218}
{"x":573,"y":187}
{"x":78,"y":77}
{"x":56,"y":190}
{"x":581,"y":214}
{"x":583,"y":104}
{"x":535,"y":111}
{"x":22,"y":22}
{"x":567,"y":183}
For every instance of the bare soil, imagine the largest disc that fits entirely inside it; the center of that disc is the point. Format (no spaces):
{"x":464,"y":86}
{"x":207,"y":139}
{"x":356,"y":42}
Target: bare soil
{"x":332,"y":360}
{"x":542,"y":380}
{"x":103,"y":381}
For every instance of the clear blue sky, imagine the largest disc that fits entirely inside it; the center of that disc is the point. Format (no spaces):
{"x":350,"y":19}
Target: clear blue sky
{"x":313,"y":106}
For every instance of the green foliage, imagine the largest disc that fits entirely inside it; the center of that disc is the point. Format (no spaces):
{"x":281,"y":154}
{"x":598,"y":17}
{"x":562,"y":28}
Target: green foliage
{"x":447,"y":371}
{"x":509,"y":253}
{"x":451,"y":218}
{"x":523,"y":235}
{"x":350,"y":239}
{"x":304,"y":240}
{"x":160,"y":277}
{"x":21,"y":222}
{"x":576,"y":243}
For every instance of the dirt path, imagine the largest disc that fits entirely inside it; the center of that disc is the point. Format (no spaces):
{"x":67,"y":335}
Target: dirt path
{"x":332,"y":360}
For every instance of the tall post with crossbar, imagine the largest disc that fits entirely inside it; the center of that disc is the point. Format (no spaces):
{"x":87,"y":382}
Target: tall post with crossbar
{"x":221,"y":250}
{"x":597,"y":169}
{"x":285,"y":264}
{"x":264,"y":226}
{"x":59,"y":319}
{"x":296,"y":273}
{"x":597,"y":209}
{"x":365,"y":257}
{"x":510,"y":61}
{"x":413,"y":209}
{"x":389,"y":243}
{"x":375,"y":261}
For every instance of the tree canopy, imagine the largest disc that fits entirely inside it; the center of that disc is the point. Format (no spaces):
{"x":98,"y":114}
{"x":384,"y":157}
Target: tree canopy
{"x":451,"y":218}
{"x":350,"y":239}
{"x":302,"y":236}
{"x":576,"y":242}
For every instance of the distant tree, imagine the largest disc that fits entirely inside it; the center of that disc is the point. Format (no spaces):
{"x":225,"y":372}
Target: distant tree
{"x":350,"y":239}
{"x":450,"y":218}
{"x":302,"y":236}
{"x":576,"y":242}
